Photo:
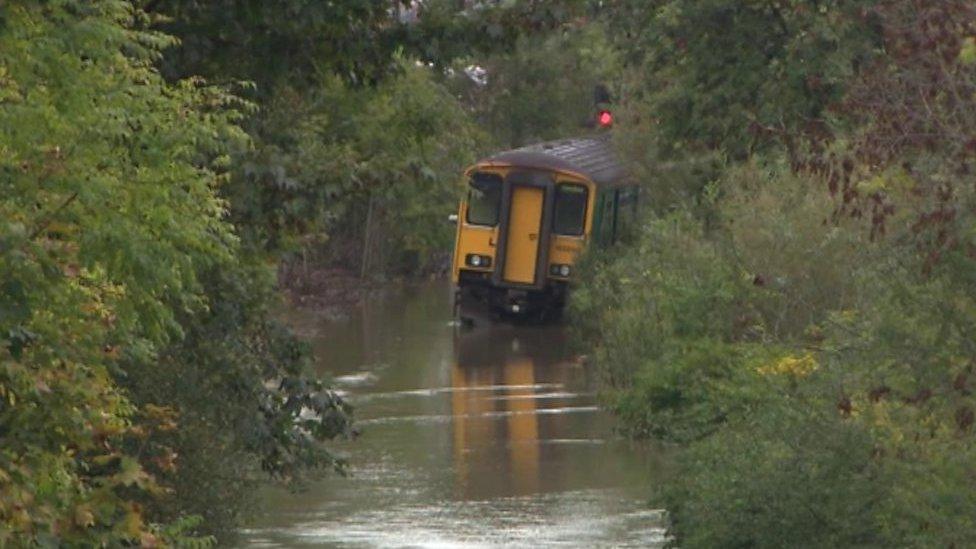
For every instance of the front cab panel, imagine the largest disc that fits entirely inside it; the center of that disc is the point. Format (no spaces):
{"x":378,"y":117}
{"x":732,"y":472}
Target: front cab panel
{"x":526,"y":257}
{"x":570,"y":233}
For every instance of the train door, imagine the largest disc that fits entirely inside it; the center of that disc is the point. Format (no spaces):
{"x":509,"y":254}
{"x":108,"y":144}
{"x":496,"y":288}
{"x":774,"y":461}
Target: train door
{"x":524,"y":227}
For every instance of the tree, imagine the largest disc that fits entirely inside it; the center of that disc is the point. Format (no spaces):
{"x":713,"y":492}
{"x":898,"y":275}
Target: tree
{"x":724,"y":75}
{"x":116,"y":260}
{"x":543,"y":88}
{"x":796,"y":312}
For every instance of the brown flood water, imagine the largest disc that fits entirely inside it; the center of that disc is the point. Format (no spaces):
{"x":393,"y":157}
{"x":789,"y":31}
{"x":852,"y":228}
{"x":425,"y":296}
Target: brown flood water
{"x":480,"y":439}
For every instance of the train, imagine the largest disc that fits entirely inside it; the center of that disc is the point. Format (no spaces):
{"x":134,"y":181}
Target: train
{"x":528,"y":215}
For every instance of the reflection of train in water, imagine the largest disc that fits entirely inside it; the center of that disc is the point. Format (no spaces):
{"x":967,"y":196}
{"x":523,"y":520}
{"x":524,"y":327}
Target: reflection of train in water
{"x":528,"y":215}
{"x":504,"y":380}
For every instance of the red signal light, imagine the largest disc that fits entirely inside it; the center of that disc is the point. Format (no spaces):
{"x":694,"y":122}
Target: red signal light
{"x":605,"y":118}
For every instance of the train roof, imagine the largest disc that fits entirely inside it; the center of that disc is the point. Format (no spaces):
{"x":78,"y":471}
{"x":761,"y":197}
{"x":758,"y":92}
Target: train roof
{"x":591,"y":157}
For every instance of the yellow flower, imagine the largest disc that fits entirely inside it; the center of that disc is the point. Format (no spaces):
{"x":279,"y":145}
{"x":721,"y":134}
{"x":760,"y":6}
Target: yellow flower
{"x":800,"y":366}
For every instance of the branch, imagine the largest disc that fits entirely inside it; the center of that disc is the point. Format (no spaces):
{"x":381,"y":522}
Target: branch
{"x":50,"y":217}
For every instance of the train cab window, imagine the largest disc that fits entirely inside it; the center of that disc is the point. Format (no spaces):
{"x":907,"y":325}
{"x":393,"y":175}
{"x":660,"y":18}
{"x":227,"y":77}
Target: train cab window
{"x":484,"y":199}
{"x":570,"y":214}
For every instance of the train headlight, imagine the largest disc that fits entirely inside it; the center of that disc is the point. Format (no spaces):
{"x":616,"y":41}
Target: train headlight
{"x":560,"y":270}
{"x":478,"y":261}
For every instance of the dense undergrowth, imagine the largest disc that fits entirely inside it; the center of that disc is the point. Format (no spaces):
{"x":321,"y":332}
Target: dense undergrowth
{"x":797,"y":314}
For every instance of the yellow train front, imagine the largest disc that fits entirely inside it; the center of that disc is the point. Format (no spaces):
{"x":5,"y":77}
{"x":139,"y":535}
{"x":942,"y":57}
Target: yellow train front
{"x":528,"y":215}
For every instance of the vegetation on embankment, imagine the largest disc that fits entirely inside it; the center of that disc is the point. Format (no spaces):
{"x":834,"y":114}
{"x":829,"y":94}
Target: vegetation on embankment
{"x":143,"y":384}
{"x":798,"y":311}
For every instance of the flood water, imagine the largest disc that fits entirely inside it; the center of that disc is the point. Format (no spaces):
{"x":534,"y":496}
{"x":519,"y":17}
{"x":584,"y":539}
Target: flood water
{"x":486,"y":438}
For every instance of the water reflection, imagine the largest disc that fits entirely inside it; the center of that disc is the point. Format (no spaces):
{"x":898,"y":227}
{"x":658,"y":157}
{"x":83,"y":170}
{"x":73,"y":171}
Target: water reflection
{"x":520,"y":367}
{"x":492,"y":438}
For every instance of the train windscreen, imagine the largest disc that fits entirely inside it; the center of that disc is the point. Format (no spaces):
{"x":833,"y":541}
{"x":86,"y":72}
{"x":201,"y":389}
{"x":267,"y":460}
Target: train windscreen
{"x":484,"y":199}
{"x":570,"y":214}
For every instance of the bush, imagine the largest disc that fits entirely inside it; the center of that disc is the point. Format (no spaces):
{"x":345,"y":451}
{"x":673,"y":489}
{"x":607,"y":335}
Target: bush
{"x":819,"y":383}
{"x":810,"y":342}
{"x":771,"y":268}
{"x":871,"y":448}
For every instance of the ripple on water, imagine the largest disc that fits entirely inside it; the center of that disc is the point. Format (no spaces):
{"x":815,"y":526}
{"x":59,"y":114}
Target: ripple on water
{"x":357,"y":379}
{"x":442,"y":418}
{"x":541,"y":396}
{"x":434,"y":391}
{"x":592,"y":518}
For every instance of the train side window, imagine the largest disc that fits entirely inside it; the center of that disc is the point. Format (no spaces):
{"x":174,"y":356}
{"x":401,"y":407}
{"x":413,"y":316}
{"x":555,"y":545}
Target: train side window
{"x":570,"y":214}
{"x":484,"y":199}
{"x":626,"y":210}
{"x":607,"y":221}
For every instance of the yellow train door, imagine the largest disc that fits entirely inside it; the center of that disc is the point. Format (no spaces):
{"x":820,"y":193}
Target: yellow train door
{"x":522,"y":248}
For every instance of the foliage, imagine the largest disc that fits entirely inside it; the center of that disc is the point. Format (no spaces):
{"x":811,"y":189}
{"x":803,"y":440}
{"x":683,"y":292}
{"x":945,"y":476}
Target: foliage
{"x":332,"y":154}
{"x":273,"y":44}
{"x":351,"y":128}
{"x":686,"y":309}
{"x":244,"y":407}
{"x":442,"y":31}
{"x":298,"y":43}
{"x":801,"y":478}
{"x":90,"y":139}
{"x":544,"y":88}
{"x":795,"y":312}
{"x":871,"y":447}
{"x":119,"y":273}
{"x":818,"y":381}
{"x":731,"y":75}
{"x":412,"y":139}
